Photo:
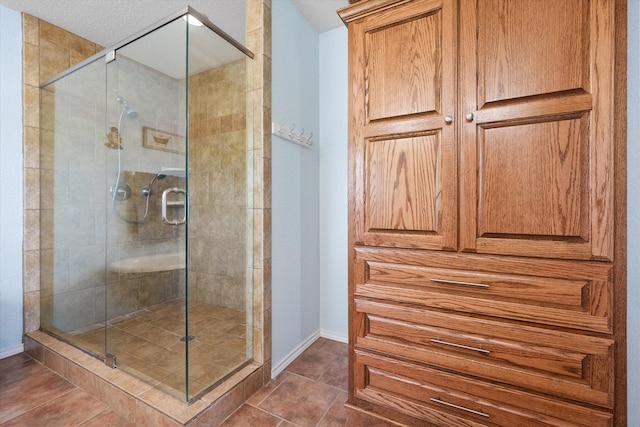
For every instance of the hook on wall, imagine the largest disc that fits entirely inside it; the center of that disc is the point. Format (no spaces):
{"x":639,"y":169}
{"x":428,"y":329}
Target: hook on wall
{"x":291,"y":135}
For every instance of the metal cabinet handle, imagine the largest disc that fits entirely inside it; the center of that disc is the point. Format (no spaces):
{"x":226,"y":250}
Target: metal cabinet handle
{"x":165,"y":193}
{"x":448,"y":120}
{"x":462,"y":408}
{"x":466,"y":347}
{"x":469,"y":117}
{"x":457,"y":282}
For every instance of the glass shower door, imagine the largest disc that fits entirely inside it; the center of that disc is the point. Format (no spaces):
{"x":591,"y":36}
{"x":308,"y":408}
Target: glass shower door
{"x":72,"y":207}
{"x":147,"y":206}
{"x":146,"y":197}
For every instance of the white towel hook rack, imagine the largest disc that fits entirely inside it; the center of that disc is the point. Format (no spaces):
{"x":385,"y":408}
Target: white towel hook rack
{"x":291,"y":135}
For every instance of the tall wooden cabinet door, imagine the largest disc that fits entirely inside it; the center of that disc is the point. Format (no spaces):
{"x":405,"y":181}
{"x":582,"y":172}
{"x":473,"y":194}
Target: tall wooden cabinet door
{"x":402,"y":147}
{"x":537,"y":149}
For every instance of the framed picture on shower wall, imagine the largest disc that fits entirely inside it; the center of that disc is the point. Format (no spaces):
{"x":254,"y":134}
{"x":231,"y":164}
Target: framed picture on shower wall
{"x":162,"y":140}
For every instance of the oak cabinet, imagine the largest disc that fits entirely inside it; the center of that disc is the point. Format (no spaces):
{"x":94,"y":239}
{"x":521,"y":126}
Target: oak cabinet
{"x":486,"y":211}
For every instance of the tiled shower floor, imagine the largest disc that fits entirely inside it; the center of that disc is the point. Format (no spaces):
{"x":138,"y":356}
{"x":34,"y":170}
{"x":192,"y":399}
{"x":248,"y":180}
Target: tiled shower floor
{"x":148,"y":344}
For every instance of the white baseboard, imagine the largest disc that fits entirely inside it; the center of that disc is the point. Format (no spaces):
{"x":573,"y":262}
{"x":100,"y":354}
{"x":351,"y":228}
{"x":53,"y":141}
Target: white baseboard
{"x":330,"y":335}
{"x":11,"y":351}
{"x":281,"y":366}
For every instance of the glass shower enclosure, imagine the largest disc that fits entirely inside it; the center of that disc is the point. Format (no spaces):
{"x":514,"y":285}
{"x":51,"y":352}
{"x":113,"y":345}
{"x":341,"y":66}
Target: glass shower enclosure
{"x":146,"y":190}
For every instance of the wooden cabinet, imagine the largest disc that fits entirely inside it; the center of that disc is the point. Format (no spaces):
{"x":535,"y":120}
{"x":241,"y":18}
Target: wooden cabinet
{"x":487,"y":212}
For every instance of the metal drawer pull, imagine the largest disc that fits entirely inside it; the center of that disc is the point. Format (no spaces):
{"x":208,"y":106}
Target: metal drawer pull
{"x":462,"y":408}
{"x":456,"y":282}
{"x":466,"y":347}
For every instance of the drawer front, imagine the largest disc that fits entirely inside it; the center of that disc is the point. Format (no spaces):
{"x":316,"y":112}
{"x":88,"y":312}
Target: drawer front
{"x":567,"y":297}
{"x":447,"y":399}
{"x":563,"y":364}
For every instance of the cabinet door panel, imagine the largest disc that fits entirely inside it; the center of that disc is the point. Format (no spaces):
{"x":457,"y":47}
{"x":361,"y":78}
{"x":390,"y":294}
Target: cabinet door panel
{"x":405,"y":81}
{"x":403,"y":152}
{"x":402,"y":183}
{"x":533,"y":179}
{"x":528,"y":42}
{"x":536,"y":175}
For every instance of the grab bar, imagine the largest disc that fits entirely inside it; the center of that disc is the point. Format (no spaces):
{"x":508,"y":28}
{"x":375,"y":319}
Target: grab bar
{"x":165,"y":193}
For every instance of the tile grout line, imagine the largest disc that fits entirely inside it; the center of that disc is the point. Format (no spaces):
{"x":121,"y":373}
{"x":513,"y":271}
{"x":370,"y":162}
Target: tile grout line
{"x":328,"y":408}
{"x":44,"y":403}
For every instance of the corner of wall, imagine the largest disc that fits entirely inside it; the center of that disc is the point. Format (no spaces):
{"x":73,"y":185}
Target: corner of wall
{"x":11,"y":179}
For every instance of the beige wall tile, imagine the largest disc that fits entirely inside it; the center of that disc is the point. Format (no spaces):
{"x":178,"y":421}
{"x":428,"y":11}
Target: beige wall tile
{"x":84,"y":379}
{"x":54,"y":59}
{"x":31,"y":268}
{"x":63,"y":38}
{"x":34,"y":349}
{"x":31,"y":106}
{"x":31,"y":311}
{"x":30,"y":29}
{"x":31,"y":240}
{"x":31,"y":188}
{"x":121,"y":402}
{"x":31,"y":147}
{"x":147,"y":416}
{"x":30,"y":64}
{"x":56,"y":363}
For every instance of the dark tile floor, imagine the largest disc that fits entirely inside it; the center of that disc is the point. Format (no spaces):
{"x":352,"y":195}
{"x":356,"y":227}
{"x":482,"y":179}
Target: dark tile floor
{"x":148,"y":344}
{"x":310,"y":392}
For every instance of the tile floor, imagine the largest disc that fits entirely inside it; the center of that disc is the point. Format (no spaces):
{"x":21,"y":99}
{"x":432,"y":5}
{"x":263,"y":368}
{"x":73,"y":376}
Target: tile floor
{"x":310,"y":392}
{"x":148,"y":344}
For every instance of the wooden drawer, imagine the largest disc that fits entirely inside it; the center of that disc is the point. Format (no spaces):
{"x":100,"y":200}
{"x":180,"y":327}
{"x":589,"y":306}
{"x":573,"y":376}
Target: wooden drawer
{"x":567,"y":365}
{"x":447,"y":399}
{"x":568,"y":294}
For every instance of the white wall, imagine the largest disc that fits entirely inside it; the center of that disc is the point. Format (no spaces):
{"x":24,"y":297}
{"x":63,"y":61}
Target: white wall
{"x":333,"y":184}
{"x":295,"y":200}
{"x":10,"y":182}
{"x":633,"y":208}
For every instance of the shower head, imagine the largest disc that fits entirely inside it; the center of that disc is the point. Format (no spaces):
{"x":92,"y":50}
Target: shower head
{"x":131,"y":113}
{"x":126,"y":108}
{"x":147,"y":191}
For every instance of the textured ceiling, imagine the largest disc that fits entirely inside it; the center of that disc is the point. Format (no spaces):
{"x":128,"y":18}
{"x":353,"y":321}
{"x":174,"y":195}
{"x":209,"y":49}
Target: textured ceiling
{"x":108,"y":22}
{"x":321,"y":13}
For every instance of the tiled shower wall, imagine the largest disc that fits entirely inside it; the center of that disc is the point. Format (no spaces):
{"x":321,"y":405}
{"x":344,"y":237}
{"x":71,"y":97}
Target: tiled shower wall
{"x":219,"y":218}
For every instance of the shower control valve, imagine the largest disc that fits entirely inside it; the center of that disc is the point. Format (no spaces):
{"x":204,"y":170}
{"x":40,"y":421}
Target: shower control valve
{"x":123,"y":192}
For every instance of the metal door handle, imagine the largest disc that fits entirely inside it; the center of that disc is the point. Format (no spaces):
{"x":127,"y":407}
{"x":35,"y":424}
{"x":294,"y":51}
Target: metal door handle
{"x":166,"y":192}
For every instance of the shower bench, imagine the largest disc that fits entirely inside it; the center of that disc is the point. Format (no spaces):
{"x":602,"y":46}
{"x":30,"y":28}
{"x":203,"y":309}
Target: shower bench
{"x":150,"y":263}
